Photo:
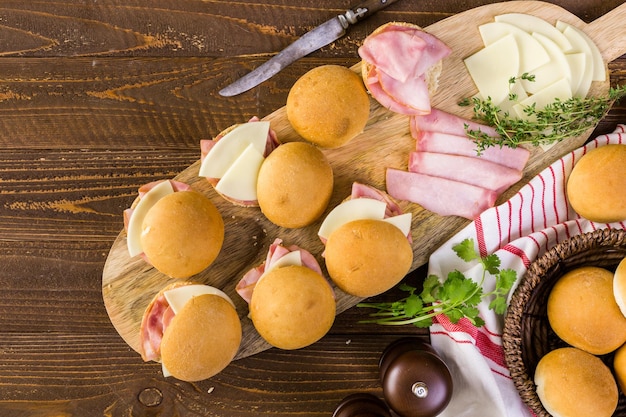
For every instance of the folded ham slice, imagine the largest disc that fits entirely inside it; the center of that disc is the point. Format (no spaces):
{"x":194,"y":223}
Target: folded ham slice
{"x":360,"y":190}
{"x":446,"y":159}
{"x":514,"y":158}
{"x":440,"y":195}
{"x":397,"y":58}
{"x":469,"y":169}
{"x":441,"y":121}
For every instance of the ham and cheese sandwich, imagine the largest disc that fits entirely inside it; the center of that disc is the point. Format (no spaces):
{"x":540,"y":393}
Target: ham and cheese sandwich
{"x":177,"y":230}
{"x":291,"y":303}
{"x":192,"y":329}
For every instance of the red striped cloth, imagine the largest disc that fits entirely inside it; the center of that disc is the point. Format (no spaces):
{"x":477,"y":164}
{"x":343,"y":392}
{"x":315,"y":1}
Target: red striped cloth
{"x":518,"y":231}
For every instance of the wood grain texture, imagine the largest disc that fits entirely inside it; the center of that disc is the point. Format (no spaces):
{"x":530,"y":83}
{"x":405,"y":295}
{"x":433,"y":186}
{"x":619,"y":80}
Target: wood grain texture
{"x":130,"y":284}
{"x":77,"y":139}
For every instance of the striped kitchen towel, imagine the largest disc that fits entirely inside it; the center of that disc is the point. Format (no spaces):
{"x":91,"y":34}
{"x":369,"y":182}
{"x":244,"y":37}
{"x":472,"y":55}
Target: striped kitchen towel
{"x":518,"y":231}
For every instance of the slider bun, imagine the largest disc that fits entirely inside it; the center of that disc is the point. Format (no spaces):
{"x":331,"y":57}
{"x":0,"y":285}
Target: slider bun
{"x":574,"y":383}
{"x":182,"y":234}
{"x":583,"y":312}
{"x":292,"y":307}
{"x":619,"y":286}
{"x":295,"y":184}
{"x":619,"y":367}
{"x":433,"y":73}
{"x":202,"y":339}
{"x":367,"y":257}
{"x":328,"y":106}
{"x":596,"y":185}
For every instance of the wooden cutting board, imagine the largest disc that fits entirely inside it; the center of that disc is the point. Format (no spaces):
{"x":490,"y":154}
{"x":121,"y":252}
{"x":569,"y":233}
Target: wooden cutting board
{"x":128,"y":284}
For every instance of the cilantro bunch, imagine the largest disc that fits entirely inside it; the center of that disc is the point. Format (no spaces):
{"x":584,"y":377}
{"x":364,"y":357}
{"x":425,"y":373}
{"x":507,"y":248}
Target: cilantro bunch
{"x":456,"y":297}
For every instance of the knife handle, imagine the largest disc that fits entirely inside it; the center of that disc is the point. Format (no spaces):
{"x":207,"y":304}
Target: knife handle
{"x":366,"y":9}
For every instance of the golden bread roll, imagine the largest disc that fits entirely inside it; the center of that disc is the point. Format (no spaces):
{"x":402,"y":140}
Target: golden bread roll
{"x":619,"y":286}
{"x":583,"y":312}
{"x":182,"y":234}
{"x":202,"y":338}
{"x":574,"y":383}
{"x":292,"y":307}
{"x":295,"y":184}
{"x":619,"y":367}
{"x":367,"y":257}
{"x":328,"y":106}
{"x":596,"y":188}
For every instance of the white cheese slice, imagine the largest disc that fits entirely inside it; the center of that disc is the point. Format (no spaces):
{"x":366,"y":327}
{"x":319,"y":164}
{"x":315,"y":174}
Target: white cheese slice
{"x":560,"y":89}
{"x":179,"y":296}
{"x":556,"y":68}
{"x":353,"y":209}
{"x":534,"y":24}
{"x":577,"y":64}
{"x":599,"y":69}
{"x":493,"y":66}
{"x":402,"y":222}
{"x":579,"y":44}
{"x":149,"y":199}
{"x":240,"y":179}
{"x":531,"y":51}
{"x":291,"y":258}
{"x":226,"y":150}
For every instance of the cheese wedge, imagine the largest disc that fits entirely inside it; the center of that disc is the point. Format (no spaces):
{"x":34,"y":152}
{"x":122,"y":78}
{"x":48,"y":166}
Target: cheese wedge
{"x":534,"y":24}
{"x":599,"y":69}
{"x":240,"y":179}
{"x":359,"y":209}
{"x":149,"y":199}
{"x":532,"y":54}
{"x":227,"y":149}
{"x":179,"y":296}
{"x":493,"y":66}
{"x":556,"y":68}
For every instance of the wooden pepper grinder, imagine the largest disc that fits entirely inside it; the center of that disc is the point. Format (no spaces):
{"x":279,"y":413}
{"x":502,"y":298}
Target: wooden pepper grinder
{"x":362,"y":405}
{"x":416,"y":382}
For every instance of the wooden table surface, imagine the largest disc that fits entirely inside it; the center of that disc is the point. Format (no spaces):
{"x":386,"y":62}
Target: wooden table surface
{"x":98,"y":97}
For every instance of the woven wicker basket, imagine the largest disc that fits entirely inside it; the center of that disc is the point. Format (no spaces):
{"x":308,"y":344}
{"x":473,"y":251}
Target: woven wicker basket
{"x":527,"y":333}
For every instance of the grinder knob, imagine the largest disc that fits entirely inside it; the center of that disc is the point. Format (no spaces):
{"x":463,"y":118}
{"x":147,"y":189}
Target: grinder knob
{"x":416,"y":382}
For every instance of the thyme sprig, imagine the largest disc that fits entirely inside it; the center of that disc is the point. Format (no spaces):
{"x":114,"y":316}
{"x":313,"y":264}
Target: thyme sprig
{"x":557,"y":121}
{"x":456,"y":297}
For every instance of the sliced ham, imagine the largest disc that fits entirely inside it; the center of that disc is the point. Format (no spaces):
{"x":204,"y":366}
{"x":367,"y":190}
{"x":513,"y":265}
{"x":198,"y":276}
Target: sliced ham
{"x":439,"y":195}
{"x":245,"y":286}
{"x":389,"y":50}
{"x":388,"y":101}
{"x":412,"y":95}
{"x":360,"y":190}
{"x":468,"y":169}
{"x":428,"y":141}
{"x":444,"y":122}
{"x":153,"y":326}
{"x":398,"y":57}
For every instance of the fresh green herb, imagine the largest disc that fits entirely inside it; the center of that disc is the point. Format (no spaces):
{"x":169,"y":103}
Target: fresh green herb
{"x":456,"y":297}
{"x":557,"y":121}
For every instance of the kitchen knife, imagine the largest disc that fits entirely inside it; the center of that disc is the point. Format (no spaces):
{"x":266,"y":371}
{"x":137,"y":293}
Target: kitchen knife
{"x":311,"y":41}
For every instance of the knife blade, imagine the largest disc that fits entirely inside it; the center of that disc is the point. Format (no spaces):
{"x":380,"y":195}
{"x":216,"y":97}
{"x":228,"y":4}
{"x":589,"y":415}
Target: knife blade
{"x":313,"y":40}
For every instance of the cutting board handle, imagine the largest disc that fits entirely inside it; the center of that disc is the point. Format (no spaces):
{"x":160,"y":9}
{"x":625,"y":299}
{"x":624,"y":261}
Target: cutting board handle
{"x":609,"y":32}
